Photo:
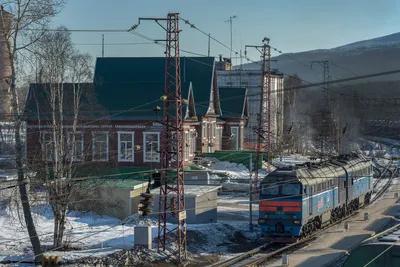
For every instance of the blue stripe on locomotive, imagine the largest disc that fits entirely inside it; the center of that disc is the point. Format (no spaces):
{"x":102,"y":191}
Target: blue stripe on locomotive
{"x":320,"y":202}
{"x":361,"y":186}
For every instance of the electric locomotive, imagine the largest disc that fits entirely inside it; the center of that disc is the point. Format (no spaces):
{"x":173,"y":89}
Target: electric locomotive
{"x":295,"y":202}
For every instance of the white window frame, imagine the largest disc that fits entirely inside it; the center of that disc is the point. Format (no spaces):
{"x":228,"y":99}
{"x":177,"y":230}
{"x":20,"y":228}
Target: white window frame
{"x":133,"y":147}
{"x":193,"y":142}
{"x":107,"y":145}
{"x":187,"y":146}
{"x":43,"y":145}
{"x":237,"y":136}
{"x":72,"y":151}
{"x":218,"y":139}
{"x":144,"y":147}
{"x":241,"y":137}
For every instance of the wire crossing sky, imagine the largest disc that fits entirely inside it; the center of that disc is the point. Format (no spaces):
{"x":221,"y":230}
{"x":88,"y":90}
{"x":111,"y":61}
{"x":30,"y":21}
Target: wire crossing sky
{"x":293,"y":26}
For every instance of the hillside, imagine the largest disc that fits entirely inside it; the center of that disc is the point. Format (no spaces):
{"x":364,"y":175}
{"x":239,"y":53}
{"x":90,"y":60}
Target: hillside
{"x":359,"y":58}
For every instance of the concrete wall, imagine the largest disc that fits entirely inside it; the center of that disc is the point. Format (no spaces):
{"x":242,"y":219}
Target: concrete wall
{"x":206,"y":208}
{"x":111,"y":201}
{"x":199,"y":209}
{"x":197,"y":178}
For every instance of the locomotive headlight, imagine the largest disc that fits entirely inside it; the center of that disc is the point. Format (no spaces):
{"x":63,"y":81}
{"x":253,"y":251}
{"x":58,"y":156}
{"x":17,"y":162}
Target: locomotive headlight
{"x":297,"y":222}
{"x":261,"y":221}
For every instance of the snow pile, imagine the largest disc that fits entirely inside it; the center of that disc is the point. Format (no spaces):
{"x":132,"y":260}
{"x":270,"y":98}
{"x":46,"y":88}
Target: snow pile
{"x":131,"y":257}
{"x":234,"y":170}
{"x":235,"y":187}
{"x":290,"y":160}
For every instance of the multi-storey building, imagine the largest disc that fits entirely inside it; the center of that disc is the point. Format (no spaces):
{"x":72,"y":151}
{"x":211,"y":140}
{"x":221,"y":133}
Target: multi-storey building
{"x":251,"y":79}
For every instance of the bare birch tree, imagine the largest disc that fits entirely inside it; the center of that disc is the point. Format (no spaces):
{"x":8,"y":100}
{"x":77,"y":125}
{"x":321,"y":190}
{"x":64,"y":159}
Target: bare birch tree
{"x":28,"y":21}
{"x":61,"y":64}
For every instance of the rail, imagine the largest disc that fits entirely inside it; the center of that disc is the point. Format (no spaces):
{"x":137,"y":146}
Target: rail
{"x":383,"y":172}
{"x":295,"y":246}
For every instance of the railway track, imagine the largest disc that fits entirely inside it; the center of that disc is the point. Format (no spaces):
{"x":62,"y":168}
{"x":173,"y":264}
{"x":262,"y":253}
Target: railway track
{"x":385,"y":169}
{"x":268,"y":252}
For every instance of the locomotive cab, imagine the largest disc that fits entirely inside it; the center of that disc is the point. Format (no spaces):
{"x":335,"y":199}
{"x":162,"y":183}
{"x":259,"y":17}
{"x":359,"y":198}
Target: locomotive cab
{"x":280,"y":208}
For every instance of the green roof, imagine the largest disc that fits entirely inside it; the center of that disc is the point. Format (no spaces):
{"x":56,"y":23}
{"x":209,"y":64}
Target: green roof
{"x":125,"y":83}
{"x":233,"y":102}
{"x":116,"y":183}
{"x":39,"y":95}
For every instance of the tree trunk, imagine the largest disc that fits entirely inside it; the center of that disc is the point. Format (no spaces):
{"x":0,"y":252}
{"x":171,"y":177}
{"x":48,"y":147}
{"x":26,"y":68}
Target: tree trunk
{"x":21,"y":175}
{"x":59,"y":225}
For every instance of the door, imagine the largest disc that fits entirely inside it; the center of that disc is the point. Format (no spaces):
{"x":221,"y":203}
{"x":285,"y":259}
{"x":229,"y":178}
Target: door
{"x":310,"y":204}
{"x":235,"y":138}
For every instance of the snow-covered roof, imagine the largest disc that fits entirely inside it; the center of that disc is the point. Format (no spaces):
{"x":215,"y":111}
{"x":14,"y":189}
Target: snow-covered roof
{"x":194,"y":190}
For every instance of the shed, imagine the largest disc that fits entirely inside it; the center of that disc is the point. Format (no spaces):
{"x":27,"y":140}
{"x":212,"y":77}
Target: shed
{"x":200,"y":203}
{"x":113,"y":197}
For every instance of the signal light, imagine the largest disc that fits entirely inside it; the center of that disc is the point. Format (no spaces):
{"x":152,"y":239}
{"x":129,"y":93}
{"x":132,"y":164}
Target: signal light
{"x":146,"y":203}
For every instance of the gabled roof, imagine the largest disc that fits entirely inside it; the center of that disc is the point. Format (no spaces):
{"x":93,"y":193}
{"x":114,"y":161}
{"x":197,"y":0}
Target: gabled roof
{"x":234,"y":102}
{"x":38,"y":101}
{"x":125,"y":83}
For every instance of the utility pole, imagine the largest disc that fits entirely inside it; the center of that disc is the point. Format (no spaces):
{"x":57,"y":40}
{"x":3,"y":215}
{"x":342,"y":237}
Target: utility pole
{"x":102,"y":46}
{"x":230,"y":22}
{"x":251,"y":194}
{"x":209,"y":44}
{"x":172,"y":195}
{"x":264,"y":116}
{"x":325,"y":104}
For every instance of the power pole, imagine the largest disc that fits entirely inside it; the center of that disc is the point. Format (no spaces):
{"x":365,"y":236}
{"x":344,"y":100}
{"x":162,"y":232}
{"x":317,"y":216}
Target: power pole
{"x":251,"y":195}
{"x":209,"y":44}
{"x":325,"y":104}
{"x":172,"y":195}
{"x":230,"y":22}
{"x":264,"y":116}
{"x":102,"y":46}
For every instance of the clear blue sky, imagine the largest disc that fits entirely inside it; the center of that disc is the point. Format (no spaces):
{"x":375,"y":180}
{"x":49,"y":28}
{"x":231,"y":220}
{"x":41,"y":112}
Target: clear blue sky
{"x":292,"y":25}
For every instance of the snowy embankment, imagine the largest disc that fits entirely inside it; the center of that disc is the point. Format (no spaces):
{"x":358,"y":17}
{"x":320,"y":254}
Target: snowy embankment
{"x":85,"y":232}
{"x":92,"y":235}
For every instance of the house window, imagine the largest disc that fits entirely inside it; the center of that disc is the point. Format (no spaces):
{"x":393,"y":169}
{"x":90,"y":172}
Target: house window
{"x":100,"y":146}
{"x":125,"y":146}
{"x":235,"y":138}
{"x":187,"y":146}
{"x":193,"y":146}
{"x":218,"y":140}
{"x":203,"y":129}
{"x":47,"y":146}
{"x":151,"y":143}
{"x":214,"y":129}
{"x":76,"y":149}
{"x":241,"y":137}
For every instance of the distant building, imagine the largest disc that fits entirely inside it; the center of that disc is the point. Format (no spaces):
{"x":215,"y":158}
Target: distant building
{"x":121,"y":114}
{"x":251,"y":79}
{"x":5,"y":65}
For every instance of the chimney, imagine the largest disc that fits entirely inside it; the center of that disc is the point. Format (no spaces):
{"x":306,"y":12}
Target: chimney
{"x":220,"y":57}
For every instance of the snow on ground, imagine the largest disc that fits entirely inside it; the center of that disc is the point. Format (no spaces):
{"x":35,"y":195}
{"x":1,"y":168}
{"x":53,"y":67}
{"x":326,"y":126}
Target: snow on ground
{"x":234,"y":170}
{"x":92,"y":235}
{"x":83,"y":231}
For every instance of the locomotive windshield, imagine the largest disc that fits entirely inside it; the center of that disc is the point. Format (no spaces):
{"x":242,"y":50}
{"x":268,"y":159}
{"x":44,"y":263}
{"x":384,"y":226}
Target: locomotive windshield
{"x":271,"y":190}
{"x":291,"y":189}
{"x":284,"y":189}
